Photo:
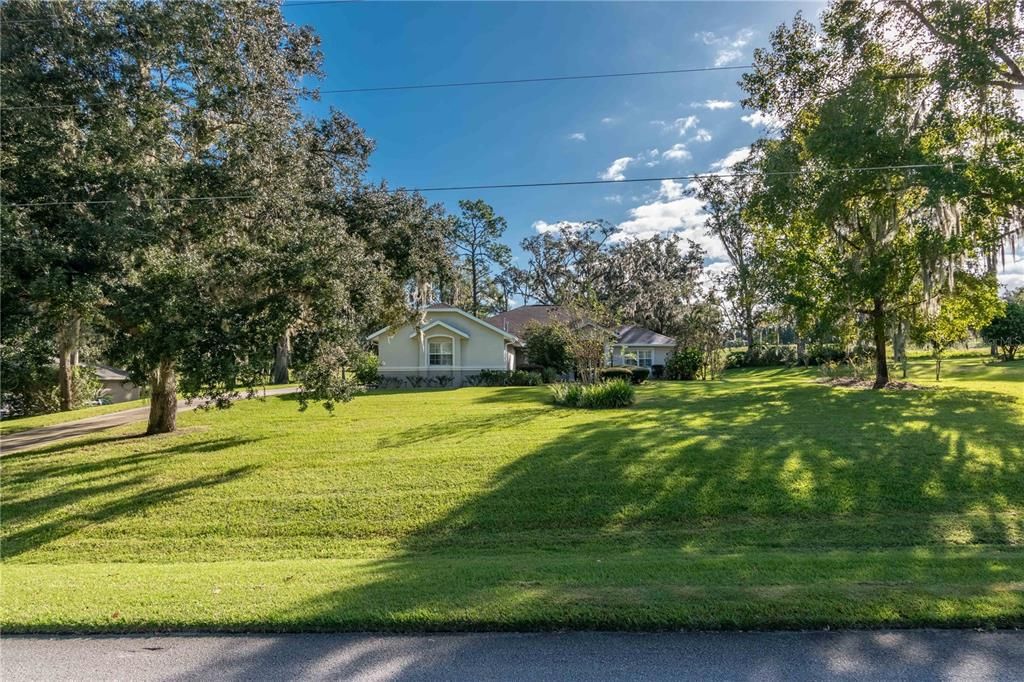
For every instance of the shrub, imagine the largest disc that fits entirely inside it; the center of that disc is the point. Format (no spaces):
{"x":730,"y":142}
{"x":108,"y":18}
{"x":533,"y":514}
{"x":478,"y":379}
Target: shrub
{"x":527,"y":367}
{"x":657,"y":371}
{"x":640,"y":374}
{"x":763,"y":356}
{"x":547,"y":345}
{"x":820,"y":353}
{"x":569,"y":395}
{"x":623,"y":373}
{"x":365,"y":366}
{"x":493,"y":377}
{"x":521,"y":378}
{"x":549,"y":375}
{"x":416,"y":381}
{"x":444,"y":380}
{"x":683,"y":364}
{"x":471,"y":380}
{"x":610,"y":394}
{"x":1007,"y":330}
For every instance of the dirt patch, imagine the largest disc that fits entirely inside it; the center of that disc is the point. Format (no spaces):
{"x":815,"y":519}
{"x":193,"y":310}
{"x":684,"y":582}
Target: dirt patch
{"x":867,"y":384}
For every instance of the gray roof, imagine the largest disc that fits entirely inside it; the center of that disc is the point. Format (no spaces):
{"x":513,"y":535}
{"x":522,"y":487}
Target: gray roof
{"x":514,"y":321}
{"x":105,"y":373}
{"x":633,"y":335}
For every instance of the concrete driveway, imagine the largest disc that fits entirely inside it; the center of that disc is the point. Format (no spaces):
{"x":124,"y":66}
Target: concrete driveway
{"x":47,"y":435}
{"x":789,"y":656}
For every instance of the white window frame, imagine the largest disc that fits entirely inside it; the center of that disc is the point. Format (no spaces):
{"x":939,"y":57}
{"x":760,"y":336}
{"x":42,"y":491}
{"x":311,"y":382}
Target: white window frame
{"x":440,"y":353}
{"x":649,"y":361}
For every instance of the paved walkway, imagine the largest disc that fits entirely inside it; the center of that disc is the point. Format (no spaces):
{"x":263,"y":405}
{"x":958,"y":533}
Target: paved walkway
{"x":896,"y":655}
{"x":47,"y":435}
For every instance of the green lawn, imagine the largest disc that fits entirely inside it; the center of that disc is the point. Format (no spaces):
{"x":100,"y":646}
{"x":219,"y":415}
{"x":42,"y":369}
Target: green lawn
{"x":18,"y":424}
{"x":764,"y":500}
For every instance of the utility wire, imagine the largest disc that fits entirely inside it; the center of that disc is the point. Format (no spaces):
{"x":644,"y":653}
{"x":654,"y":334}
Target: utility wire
{"x":464,"y":84}
{"x":564,"y":183}
{"x":543,"y":79}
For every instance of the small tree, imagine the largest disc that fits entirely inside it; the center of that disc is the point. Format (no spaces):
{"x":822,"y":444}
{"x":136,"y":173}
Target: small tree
{"x":547,"y":345}
{"x":1007,"y":330}
{"x":972,"y":304}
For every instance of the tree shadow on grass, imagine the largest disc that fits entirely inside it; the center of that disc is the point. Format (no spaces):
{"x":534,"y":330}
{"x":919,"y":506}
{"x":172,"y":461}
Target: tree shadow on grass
{"x":104,"y":488}
{"x":711,"y":472}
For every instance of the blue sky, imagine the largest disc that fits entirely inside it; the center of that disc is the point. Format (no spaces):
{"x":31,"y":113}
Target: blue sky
{"x":568,"y":130}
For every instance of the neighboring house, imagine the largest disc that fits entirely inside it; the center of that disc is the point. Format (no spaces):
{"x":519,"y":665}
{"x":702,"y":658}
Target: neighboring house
{"x":115,"y":386}
{"x":448,"y":341}
{"x":443,"y":341}
{"x":639,"y":346}
{"x":632,"y":345}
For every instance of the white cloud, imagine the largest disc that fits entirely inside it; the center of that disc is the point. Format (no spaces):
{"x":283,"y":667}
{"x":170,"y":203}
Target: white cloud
{"x":678,"y":152}
{"x":670,"y":189}
{"x":608,"y":120}
{"x":614,"y":199}
{"x":680,"y":125}
{"x":616,"y":170}
{"x":729,"y":47}
{"x":714,"y":104}
{"x":679,"y":215}
{"x":543,"y":227}
{"x":579,"y":137}
{"x":701,"y":135}
{"x":1012,"y":276}
{"x":731,"y":159}
{"x":759,"y":118}
{"x":727,"y":56}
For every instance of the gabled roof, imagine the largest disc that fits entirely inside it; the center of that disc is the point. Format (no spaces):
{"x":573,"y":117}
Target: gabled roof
{"x":439,"y":323}
{"x":443,"y":308}
{"x":633,"y":335}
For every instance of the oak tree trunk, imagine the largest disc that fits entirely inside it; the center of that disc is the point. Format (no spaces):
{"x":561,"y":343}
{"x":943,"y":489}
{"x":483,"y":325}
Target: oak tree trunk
{"x":282,"y":353}
{"x":163,"y":400}
{"x":64,"y":378}
{"x":881,"y":361}
{"x":67,"y":351}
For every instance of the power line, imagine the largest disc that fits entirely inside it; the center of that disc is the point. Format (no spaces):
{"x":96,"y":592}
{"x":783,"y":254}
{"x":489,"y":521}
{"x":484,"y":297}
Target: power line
{"x":464,"y":84}
{"x":691,"y":176}
{"x":562,"y":183}
{"x":541,"y":79}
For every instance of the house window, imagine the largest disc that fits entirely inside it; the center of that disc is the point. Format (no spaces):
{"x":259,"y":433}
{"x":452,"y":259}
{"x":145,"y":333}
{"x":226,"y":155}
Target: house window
{"x":441,"y":353}
{"x":643,"y":358}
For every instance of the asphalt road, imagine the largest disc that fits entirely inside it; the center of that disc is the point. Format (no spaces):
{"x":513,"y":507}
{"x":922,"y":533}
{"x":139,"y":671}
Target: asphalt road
{"x":46,"y":435}
{"x":790,"y":656}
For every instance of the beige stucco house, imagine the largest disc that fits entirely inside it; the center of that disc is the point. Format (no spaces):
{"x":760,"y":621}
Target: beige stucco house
{"x":444,"y":341}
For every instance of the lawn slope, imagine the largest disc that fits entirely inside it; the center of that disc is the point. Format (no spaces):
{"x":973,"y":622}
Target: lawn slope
{"x":764,"y":500}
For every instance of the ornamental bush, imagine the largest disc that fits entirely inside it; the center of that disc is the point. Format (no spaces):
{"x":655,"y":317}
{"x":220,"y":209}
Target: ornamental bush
{"x":610,"y":394}
{"x":683,"y":364}
{"x":522,"y":378}
{"x":640,"y":374}
{"x":365,"y":366}
{"x":623,"y":373}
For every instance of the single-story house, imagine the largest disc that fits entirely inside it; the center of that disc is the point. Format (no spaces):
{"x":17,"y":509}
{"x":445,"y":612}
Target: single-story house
{"x":447,"y":341}
{"x":637,"y":345}
{"x":115,"y":385}
{"x":443,"y":341}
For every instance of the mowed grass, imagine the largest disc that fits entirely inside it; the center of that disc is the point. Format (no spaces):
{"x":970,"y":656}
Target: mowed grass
{"x":764,"y":500}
